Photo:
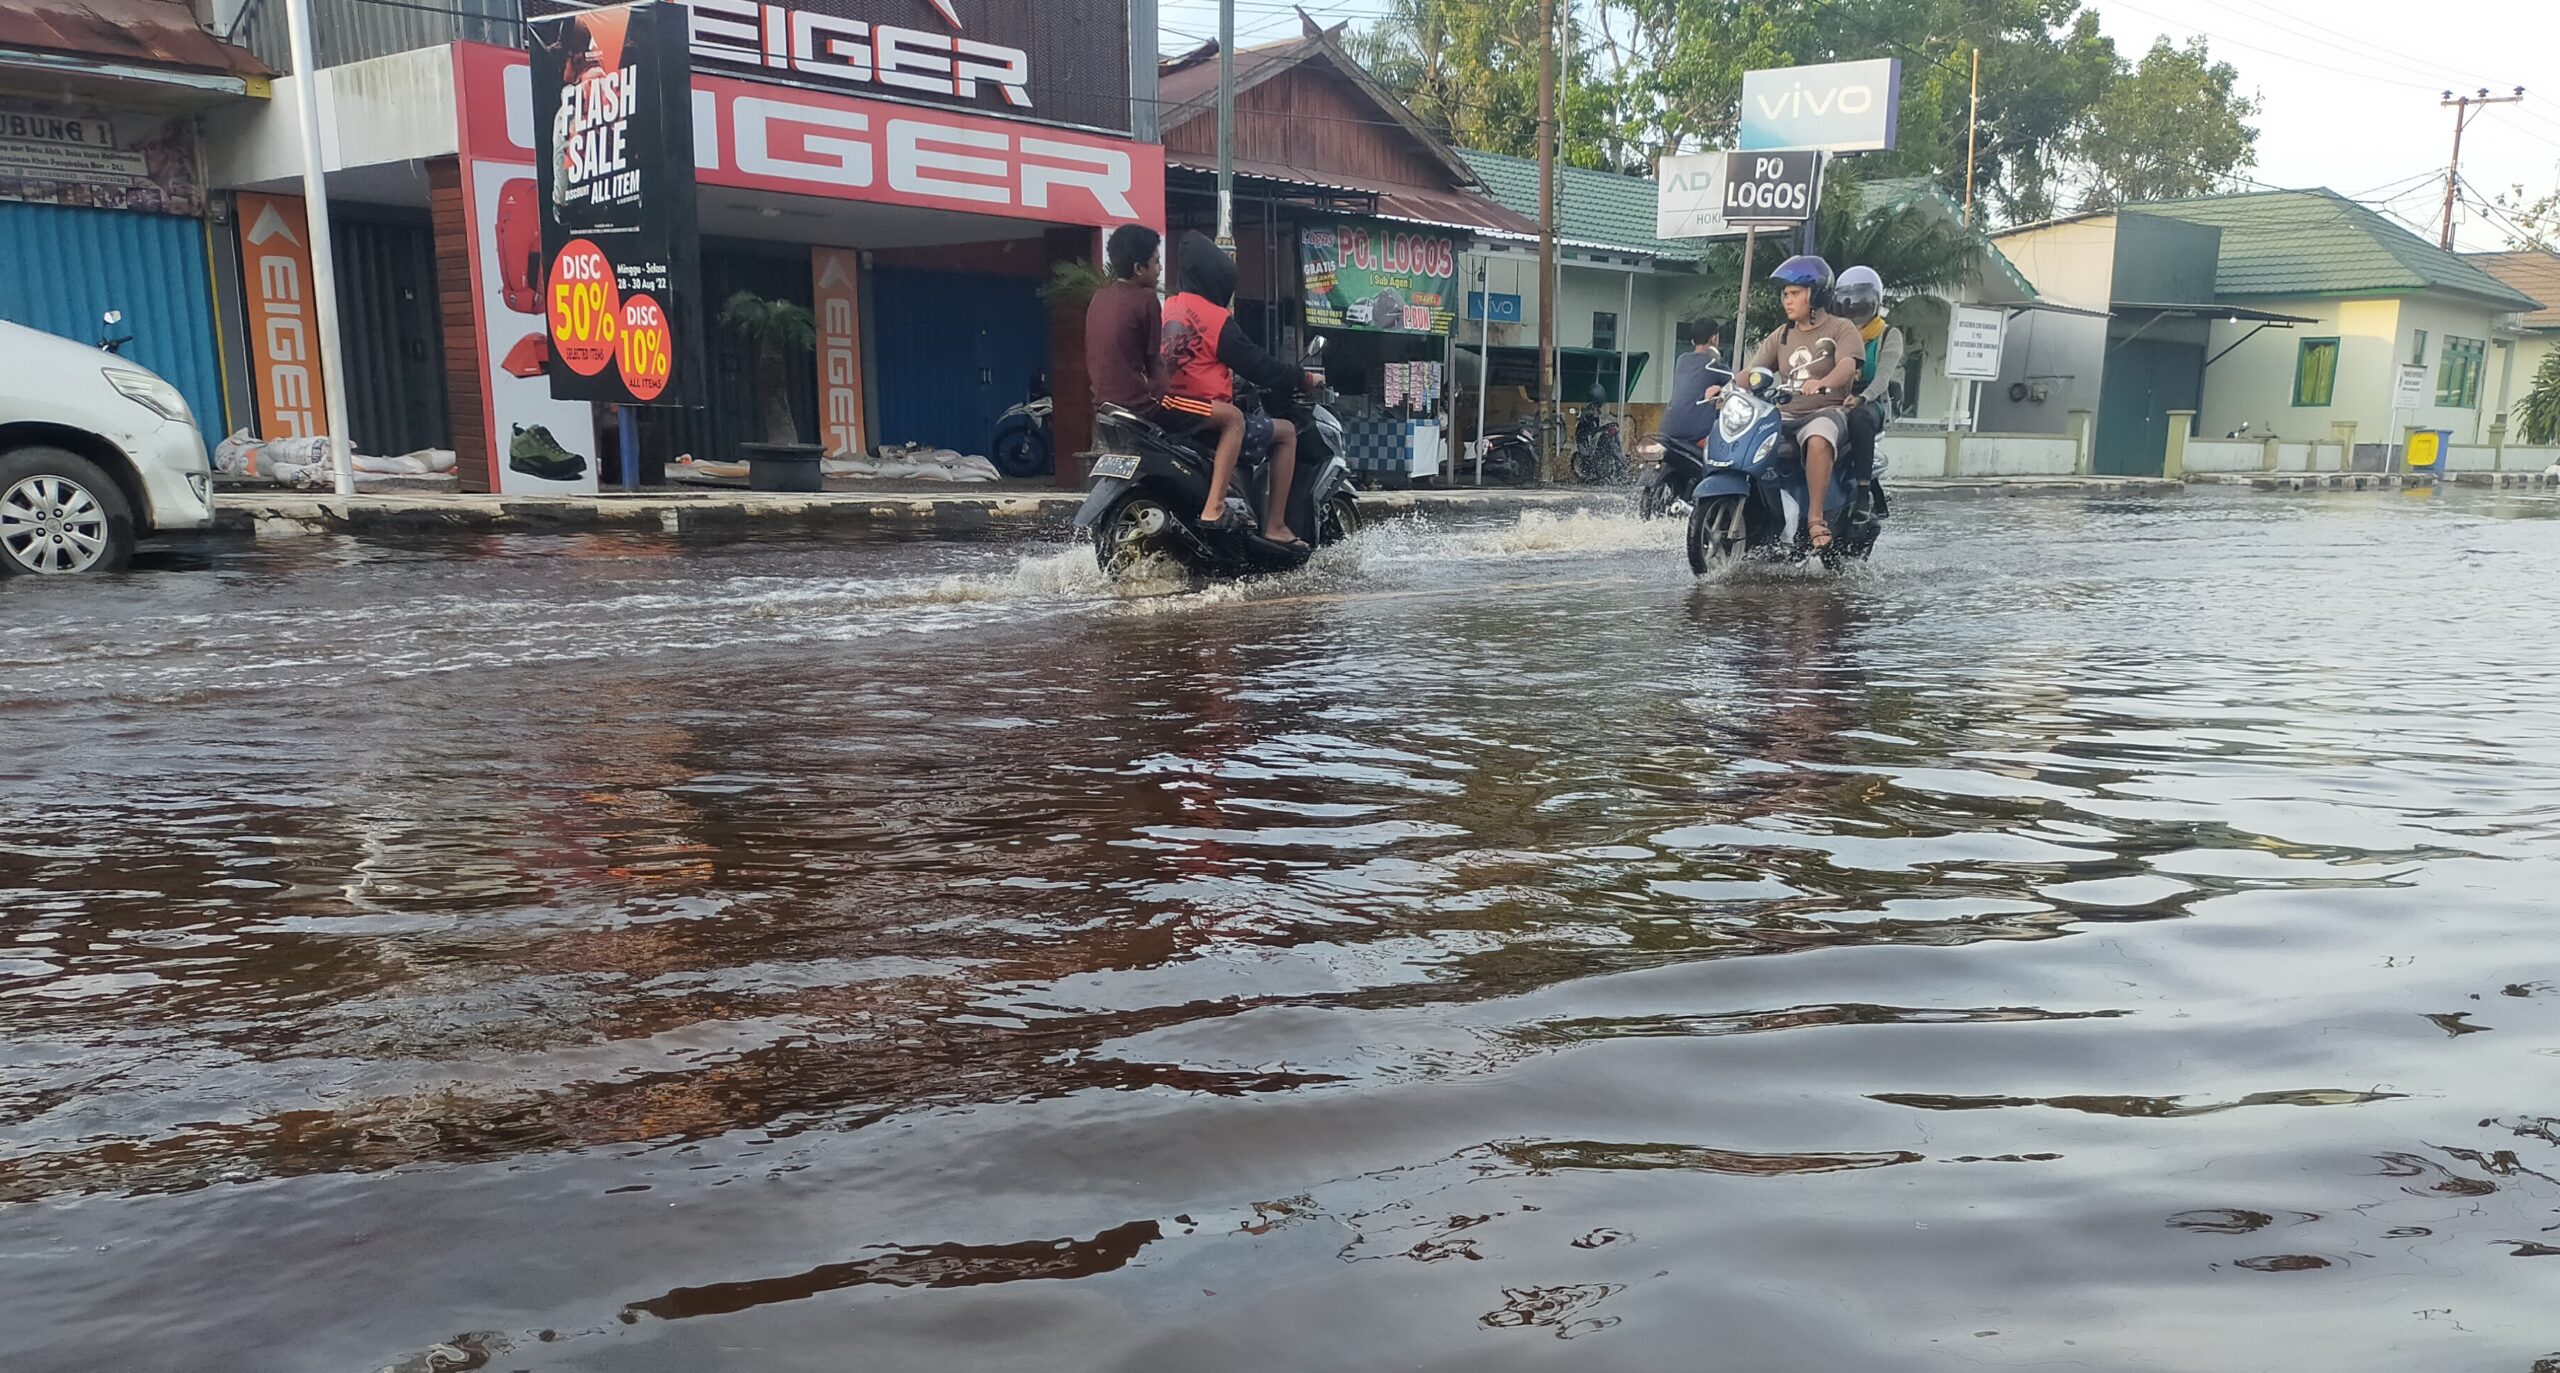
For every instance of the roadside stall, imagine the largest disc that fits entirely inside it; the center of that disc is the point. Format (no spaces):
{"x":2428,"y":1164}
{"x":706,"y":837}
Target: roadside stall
{"x":1383,"y":295}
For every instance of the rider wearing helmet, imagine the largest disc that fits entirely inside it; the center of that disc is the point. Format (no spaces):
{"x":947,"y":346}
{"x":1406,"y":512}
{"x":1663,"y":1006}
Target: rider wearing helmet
{"x":1817,"y":353}
{"x":1859,"y":299}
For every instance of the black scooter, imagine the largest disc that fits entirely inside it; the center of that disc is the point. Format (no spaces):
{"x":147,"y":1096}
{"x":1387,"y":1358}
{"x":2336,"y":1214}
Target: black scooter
{"x":1148,"y":486}
{"x":1677,"y":464}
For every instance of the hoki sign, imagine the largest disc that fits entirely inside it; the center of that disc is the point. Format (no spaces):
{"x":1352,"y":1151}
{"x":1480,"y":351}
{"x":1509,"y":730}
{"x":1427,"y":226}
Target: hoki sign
{"x":975,"y":54}
{"x":752,"y":136}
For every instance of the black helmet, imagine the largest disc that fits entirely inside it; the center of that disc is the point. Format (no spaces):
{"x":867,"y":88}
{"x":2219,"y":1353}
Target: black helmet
{"x":1858,"y":295}
{"x":1810,"y":272}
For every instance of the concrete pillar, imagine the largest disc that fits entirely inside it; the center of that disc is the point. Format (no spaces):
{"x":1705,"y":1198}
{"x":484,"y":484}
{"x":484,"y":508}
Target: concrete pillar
{"x":2174,"y":464}
{"x":2275,"y":458}
{"x":2077,"y":425}
{"x":2498,"y":444}
{"x":2344,"y":431}
{"x":1955,"y":452}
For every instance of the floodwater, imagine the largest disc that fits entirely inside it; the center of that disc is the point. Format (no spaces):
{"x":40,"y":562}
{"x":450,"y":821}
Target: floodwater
{"x":2104,"y":935}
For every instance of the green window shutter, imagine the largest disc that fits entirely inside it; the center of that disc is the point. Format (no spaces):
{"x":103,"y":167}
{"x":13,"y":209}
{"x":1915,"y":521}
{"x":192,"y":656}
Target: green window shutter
{"x":2315,"y":371}
{"x":2459,"y":370}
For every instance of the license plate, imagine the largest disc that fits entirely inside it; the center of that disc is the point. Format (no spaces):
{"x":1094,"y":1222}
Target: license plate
{"x":1119,"y":465}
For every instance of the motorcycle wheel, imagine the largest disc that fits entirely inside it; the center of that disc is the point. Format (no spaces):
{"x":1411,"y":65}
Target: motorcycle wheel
{"x":1510,"y":466}
{"x":1127,"y":531}
{"x":1339,"y":520}
{"x":1654,"y":501}
{"x":1716,"y":533}
{"x":1019,"y":449}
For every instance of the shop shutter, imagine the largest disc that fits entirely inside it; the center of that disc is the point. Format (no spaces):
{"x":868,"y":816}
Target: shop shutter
{"x":955,"y":352}
{"x":69,"y":265}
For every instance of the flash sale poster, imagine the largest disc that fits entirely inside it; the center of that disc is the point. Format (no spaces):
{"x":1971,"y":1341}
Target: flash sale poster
{"x":613,"y":137}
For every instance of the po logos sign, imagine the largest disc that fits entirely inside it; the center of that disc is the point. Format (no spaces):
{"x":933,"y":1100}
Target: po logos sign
{"x":1843,"y":107}
{"x":1773,"y":188}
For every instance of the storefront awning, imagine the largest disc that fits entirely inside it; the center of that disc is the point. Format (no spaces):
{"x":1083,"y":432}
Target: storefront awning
{"x":1437,"y":208}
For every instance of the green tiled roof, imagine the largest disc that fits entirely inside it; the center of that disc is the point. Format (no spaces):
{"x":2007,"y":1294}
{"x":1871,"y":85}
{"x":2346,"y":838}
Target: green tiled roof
{"x":2319,"y":243}
{"x":1604,"y":209}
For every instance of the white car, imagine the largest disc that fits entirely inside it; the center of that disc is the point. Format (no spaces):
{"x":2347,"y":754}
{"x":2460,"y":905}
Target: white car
{"x":95,"y":452}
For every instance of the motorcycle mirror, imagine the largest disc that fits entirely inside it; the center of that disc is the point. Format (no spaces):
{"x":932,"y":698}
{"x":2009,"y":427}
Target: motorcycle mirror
{"x":1316,"y":349}
{"x":113,"y":317}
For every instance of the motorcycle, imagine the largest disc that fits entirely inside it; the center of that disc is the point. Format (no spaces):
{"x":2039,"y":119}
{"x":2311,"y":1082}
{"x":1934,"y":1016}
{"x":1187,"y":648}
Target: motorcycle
{"x":1598,"y":455}
{"x":1147,"y":488}
{"x":1674,"y":465}
{"x":1510,"y":456}
{"x":1023,"y":443}
{"x":1751,"y":501}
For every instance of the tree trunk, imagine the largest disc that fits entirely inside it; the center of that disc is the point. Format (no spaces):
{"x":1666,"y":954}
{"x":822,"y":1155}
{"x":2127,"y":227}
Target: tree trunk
{"x":778,"y":424}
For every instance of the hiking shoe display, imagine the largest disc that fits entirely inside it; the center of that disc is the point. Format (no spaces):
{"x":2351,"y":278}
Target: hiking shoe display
{"x":536,"y":454}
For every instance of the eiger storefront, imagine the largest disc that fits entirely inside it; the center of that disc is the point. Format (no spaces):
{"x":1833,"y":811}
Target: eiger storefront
{"x":910,"y":170}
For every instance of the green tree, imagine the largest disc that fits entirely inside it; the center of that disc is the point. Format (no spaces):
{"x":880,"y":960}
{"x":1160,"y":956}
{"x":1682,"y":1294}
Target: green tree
{"x":2537,"y":412}
{"x":2174,"y":125}
{"x":775,"y":329}
{"x":2531,"y":225}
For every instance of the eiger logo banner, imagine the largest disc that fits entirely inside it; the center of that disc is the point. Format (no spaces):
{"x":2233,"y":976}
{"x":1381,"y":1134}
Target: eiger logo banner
{"x":613,"y":146}
{"x":284,"y":353}
{"x":1054,"y":61}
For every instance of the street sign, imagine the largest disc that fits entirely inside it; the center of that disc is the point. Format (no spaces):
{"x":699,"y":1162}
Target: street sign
{"x":1973,"y":342}
{"x":1689,"y":197}
{"x":1771,"y":188}
{"x":2411,"y":392}
{"x":1843,"y":107}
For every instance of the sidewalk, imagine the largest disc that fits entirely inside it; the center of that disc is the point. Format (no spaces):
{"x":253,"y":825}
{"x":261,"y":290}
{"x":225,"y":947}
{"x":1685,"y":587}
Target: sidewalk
{"x":916,"y":507}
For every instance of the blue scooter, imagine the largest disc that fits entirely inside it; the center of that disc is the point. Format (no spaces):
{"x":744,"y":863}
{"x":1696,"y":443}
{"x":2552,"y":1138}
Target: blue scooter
{"x":1751,"y":501}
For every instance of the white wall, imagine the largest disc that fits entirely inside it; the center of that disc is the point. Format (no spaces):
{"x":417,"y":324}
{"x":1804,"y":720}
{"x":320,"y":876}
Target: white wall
{"x":389,"y":109}
{"x":2443,"y":317}
{"x":1922,"y":454}
{"x":2070,"y":264}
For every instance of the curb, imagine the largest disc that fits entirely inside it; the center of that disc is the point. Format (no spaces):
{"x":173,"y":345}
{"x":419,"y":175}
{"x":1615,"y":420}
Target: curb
{"x":2373,"y":481}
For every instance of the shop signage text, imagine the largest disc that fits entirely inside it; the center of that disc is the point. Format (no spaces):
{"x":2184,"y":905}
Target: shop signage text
{"x":772,"y":138}
{"x":1378,"y":277}
{"x":1840,"y":107}
{"x":854,"y":52}
{"x":275,"y":262}
{"x":1771,"y":188}
{"x":839,"y":323}
{"x":1689,"y":197}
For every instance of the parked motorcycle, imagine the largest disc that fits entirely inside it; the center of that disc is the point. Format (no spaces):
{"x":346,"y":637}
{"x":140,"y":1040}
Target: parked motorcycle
{"x":1599,"y":457}
{"x":1023,"y":444}
{"x":1752,"y":500}
{"x":1511,"y":454}
{"x":1147,"y":488}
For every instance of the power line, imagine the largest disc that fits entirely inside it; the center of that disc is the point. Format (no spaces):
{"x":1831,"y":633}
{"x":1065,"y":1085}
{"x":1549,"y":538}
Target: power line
{"x":2274,"y":53}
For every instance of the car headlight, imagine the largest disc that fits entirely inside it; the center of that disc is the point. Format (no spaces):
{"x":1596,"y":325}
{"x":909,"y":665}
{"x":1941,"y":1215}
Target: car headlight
{"x":149,"y":392}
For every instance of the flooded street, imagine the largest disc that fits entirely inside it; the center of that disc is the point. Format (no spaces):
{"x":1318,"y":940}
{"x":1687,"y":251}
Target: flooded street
{"x":2103,"y":935}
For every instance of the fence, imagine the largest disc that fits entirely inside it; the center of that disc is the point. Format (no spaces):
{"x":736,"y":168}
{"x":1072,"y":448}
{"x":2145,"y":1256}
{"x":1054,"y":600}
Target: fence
{"x":1935,"y":454}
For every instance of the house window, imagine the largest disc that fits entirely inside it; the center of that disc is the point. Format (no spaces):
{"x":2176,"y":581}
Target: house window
{"x":1604,"y":330}
{"x":2418,"y":350}
{"x":2458,"y":375}
{"x":2315,"y":371}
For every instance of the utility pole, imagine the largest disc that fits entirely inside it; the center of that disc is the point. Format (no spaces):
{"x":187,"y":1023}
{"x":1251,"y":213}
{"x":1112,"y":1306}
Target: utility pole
{"x":324,"y":258}
{"x":2463,"y":107}
{"x":1227,"y":124}
{"x":1548,"y":304}
{"x":1972,"y":120}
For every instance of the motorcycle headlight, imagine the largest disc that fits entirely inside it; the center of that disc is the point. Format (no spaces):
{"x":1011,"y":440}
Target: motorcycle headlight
{"x":1735,"y":416}
{"x":149,"y":392}
{"x":1650,"y":448}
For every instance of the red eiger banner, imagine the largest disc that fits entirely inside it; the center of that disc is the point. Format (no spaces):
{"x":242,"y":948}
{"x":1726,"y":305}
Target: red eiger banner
{"x":833,"y":273}
{"x":763,"y":137}
{"x":613,"y":145}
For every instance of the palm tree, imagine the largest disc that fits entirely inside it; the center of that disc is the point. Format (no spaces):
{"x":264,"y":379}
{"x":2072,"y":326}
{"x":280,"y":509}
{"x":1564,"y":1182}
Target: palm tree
{"x":775,"y":328}
{"x":2538,"y":411}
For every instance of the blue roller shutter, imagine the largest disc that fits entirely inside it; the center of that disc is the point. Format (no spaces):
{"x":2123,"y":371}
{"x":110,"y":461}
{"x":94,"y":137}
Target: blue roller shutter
{"x":61,"y":267}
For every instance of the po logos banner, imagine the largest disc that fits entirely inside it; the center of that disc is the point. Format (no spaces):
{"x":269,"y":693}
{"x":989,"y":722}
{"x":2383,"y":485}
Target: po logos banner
{"x":613,"y":142}
{"x":1375,"y":276}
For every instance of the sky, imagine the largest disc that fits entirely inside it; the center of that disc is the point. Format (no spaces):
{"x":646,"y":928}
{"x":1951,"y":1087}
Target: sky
{"x":2350,"y":88}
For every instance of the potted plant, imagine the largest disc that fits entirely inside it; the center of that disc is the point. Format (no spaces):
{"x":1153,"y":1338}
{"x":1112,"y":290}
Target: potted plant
{"x":775,"y":329}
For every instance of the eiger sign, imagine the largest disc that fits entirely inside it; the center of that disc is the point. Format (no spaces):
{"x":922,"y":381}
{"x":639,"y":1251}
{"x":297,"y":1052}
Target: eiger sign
{"x":1845,"y":107}
{"x":977,"y":54}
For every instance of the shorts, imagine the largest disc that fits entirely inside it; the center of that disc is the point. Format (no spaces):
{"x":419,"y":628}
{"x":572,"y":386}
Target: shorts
{"x":1181,"y":416}
{"x":1824,"y":424}
{"x":1257,"y":435}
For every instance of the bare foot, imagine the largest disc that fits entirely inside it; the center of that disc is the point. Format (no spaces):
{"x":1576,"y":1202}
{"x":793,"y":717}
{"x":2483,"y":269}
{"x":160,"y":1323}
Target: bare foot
{"x":1820,"y":534}
{"x":1279,"y":533}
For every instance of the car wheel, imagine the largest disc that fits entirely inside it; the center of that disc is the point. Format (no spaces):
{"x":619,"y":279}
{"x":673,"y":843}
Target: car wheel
{"x":59,"y":513}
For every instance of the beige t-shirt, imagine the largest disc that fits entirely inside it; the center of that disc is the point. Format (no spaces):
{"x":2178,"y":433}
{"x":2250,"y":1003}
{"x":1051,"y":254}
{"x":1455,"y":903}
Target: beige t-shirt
{"x":1806,"y":353}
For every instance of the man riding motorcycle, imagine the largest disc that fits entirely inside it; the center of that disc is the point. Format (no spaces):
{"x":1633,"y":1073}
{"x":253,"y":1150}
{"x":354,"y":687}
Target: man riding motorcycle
{"x":1859,"y":299}
{"x":1817,"y":352}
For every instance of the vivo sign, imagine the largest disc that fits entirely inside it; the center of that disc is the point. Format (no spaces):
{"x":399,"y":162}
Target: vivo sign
{"x":1846,"y":107}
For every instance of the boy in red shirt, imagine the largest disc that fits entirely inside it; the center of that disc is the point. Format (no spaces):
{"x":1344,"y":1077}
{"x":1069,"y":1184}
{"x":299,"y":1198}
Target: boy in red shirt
{"x":1204,"y":351}
{"x":1123,"y":333}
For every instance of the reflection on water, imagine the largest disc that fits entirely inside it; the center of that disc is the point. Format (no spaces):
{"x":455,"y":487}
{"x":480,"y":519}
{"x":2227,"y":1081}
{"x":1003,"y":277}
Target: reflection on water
{"x":600,"y":953}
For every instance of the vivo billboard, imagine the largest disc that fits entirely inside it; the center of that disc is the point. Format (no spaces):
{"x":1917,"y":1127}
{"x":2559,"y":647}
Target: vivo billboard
{"x":1845,"y":107}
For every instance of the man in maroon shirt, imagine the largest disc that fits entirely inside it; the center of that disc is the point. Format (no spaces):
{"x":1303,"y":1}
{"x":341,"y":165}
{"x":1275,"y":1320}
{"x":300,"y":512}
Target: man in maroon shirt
{"x":1123,"y":344}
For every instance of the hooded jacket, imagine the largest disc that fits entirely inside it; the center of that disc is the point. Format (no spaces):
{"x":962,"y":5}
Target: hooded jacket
{"x":1202,"y":343}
